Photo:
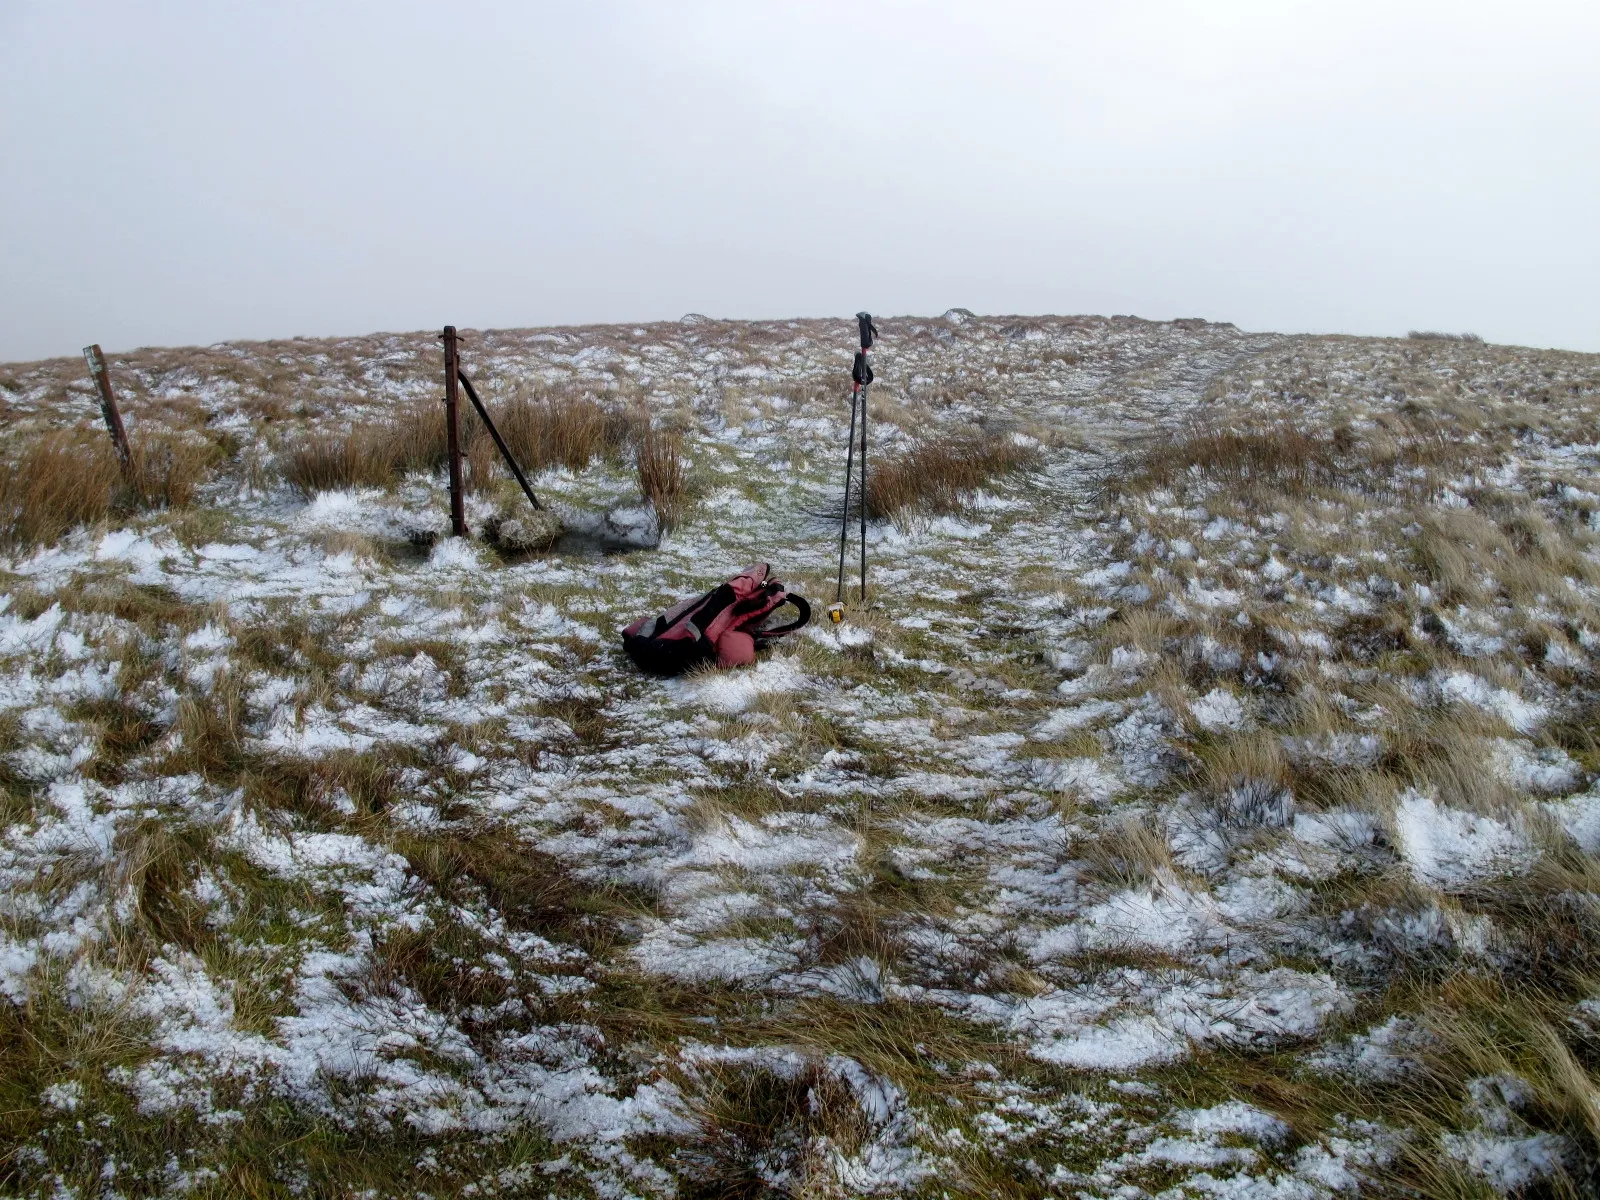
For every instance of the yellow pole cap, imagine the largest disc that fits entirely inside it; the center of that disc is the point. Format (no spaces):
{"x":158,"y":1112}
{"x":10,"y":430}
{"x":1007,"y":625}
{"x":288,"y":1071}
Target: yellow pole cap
{"x":836,"y":613}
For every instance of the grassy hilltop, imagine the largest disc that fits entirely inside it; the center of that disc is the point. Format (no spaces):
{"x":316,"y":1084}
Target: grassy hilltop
{"x":1206,"y":804}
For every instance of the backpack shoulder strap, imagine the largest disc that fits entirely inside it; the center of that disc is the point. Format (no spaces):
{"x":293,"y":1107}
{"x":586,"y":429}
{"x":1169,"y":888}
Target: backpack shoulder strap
{"x":801,"y":605}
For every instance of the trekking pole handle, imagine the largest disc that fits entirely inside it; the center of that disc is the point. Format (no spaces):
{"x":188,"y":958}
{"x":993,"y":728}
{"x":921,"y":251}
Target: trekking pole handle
{"x":869,"y":331}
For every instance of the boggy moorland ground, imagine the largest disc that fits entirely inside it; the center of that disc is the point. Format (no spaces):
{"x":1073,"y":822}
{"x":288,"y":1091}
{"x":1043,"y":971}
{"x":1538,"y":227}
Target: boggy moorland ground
{"x":1204,"y":806}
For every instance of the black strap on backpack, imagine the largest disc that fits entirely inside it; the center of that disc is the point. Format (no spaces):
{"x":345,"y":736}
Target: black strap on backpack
{"x":801,"y":606}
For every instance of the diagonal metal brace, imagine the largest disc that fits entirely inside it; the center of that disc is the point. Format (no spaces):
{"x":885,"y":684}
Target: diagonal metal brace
{"x":505,"y":451}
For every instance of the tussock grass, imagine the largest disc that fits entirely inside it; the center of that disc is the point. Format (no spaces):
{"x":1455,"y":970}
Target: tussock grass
{"x":369,"y":455}
{"x":46,"y":1041}
{"x":1483,"y":1031}
{"x":121,"y":726}
{"x":1263,"y":459}
{"x":658,"y":461}
{"x":939,"y":474}
{"x":164,"y":471}
{"x":211,"y":734}
{"x":1245,"y":775}
{"x":757,"y":1124}
{"x":1468,"y":553}
{"x":1129,"y":851}
{"x":1359,"y":497}
{"x":1448,"y":569}
{"x":272,"y":1149}
{"x":1278,"y":455}
{"x":751,"y":800}
{"x":16,"y":798}
{"x":521,"y":883}
{"x":560,"y":429}
{"x":156,"y":861}
{"x":480,"y":462}
{"x":68,"y":478}
{"x":1143,"y":628}
{"x":59,"y":482}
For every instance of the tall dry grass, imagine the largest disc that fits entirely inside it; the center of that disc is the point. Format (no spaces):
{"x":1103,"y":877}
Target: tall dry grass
{"x":61,"y":481}
{"x":1278,"y":455}
{"x":563,"y":429}
{"x":938,"y":474}
{"x":1402,"y":455}
{"x":165,"y":470}
{"x":658,"y":460}
{"x":323,"y":462}
{"x":70,"y":478}
{"x":369,"y":455}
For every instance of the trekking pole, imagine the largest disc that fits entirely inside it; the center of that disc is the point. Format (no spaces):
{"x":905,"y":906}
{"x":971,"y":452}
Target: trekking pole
{"x":860,"y":377}
{"x":836,"y":611}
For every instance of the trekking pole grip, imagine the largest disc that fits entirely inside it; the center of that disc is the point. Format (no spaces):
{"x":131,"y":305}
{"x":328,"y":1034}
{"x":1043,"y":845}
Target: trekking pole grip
{"x":868,"y":330}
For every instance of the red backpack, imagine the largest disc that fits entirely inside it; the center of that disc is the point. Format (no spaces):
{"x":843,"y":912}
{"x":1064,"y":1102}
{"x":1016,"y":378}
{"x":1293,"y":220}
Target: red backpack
{"x":724,"y":624}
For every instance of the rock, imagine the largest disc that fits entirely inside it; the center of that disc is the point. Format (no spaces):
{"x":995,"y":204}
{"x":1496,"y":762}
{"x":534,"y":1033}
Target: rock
{"x":525,"y":532}
{"x":626,"y":527}
{"x":635,"y":527}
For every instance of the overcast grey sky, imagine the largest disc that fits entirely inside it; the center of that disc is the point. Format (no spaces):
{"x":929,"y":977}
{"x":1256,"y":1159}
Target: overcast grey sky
{"x":189,"y":172}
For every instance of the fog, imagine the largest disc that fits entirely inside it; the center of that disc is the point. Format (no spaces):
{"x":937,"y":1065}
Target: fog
{"x":185,"y":172}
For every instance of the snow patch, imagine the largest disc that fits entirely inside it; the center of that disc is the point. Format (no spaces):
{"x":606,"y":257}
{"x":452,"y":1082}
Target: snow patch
{"x":1219,"y":711}
{"x":1580,"y":817}
{"x":456,"y":554}
{"x":736,"y":691}
{"x":1525,"y":716}
{"x":1448,"y":848}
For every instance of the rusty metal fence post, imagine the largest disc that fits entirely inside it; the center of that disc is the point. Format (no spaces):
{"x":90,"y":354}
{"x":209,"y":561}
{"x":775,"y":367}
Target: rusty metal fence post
{"x":452,"y":432}
{"x":108,"y":405}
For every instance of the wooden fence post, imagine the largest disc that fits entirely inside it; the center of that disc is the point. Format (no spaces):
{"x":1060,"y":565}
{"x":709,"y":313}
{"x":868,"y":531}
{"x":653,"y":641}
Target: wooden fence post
{"x":108,"y":405}
{"x":452,"y":432}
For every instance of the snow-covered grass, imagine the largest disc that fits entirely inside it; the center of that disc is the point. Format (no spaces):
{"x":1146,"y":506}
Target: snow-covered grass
{"x":1206,"y":805}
